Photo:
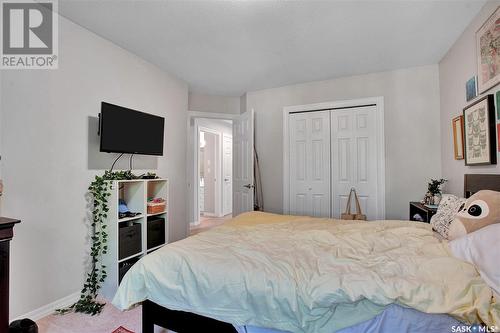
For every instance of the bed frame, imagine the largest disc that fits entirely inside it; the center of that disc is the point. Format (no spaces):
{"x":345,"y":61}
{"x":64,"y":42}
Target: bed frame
{"x":186,"y":322}
{"x":179,"y":321}
{"x":477,"y":182}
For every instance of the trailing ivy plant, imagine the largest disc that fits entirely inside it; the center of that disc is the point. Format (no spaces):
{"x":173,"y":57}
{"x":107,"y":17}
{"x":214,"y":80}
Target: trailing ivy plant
{"x":100,"y":190}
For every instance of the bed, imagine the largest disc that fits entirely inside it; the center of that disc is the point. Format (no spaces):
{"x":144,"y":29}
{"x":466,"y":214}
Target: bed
{"x":241,"y":277}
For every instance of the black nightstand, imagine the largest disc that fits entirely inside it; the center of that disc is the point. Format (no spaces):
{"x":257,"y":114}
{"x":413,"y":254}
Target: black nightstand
{"x":425,"y":212}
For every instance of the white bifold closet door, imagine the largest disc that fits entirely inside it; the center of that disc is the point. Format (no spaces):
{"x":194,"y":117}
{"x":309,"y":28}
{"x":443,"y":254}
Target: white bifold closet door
{"x":354,"y":159}
{"x":310,"y":163}
{"x":331,"y":152}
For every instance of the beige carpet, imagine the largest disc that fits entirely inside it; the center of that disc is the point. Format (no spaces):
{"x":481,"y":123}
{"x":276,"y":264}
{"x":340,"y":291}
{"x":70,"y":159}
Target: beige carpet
{"x":207,"y":223}
{"x":110,"y":319}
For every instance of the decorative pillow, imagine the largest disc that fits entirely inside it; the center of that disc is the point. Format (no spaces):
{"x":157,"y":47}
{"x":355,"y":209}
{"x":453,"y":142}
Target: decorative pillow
{"x":481,"y":249}
{"x":479,"y":211}
{"x":447,"y":209}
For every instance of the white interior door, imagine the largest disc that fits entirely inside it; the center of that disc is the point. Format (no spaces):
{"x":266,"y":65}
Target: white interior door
{"x":243,"y":182}
{"x":310,"y":163}
{"x":354,"y":159}
{"x":227,"y":174}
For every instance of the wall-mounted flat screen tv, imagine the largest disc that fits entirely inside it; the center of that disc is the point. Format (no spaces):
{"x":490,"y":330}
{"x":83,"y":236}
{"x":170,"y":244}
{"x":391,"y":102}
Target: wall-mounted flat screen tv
{"x":124,"y":130}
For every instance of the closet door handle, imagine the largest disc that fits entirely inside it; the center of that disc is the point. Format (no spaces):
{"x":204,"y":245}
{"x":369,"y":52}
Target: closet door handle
{"x":248,"y":186}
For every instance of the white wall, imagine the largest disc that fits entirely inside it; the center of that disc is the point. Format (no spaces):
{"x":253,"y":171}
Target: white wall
{"x":214,"y":103}
{"x":411,"y":129}
{"x":243,"y":103}
{"x":456,"y":67}
{"x":44,"y":137}
{"x":219,"y":125}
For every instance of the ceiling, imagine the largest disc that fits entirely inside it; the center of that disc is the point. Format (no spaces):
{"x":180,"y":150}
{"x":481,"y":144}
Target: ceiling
{"x":230,"y":47}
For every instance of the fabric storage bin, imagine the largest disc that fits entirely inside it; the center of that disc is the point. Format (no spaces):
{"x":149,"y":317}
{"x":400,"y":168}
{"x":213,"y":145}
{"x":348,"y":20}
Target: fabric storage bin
{"x":124,"y":267}
{"x":156,"y":232}
{"x":129,"y":242}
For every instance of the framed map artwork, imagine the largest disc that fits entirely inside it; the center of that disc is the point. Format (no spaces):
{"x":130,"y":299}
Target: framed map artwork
{"x":488,"y":52}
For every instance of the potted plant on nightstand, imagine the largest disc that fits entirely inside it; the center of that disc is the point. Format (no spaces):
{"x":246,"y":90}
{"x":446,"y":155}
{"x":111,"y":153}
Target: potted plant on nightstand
{"x":433,"y":195}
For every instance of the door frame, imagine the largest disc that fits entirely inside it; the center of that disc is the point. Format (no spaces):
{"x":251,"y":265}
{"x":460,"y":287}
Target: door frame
{"x":191,"y":157}
{"x":378,"y":102}
{"x":223,"y":211}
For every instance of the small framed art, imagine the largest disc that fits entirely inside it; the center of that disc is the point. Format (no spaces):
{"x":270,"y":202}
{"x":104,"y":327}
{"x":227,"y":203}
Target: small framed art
{"x":458,"y":137}
{"x":488,"y":52}
{"x":498,"y":104}
{"x":479,"y":132}
{"x":498,"y":141}
{"x":471,"y":88}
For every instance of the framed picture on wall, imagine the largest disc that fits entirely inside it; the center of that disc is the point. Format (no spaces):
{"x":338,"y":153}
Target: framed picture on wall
{"x":471,"y":89}
{"x":498,"y":137}
{"x":479,"y":132}
{"x":488,"y":52}
{"x":458,"y":137}
{"x":498,"y":104}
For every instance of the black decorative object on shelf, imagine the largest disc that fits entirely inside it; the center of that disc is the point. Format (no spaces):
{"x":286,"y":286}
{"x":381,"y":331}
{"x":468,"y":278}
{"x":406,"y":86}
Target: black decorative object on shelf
{"x":149,"y":175}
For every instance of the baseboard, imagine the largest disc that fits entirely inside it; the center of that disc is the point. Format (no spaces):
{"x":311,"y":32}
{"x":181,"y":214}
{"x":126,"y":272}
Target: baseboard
{"x":51,"y":307}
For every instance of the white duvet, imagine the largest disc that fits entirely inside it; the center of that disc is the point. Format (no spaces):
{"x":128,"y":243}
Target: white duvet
{"x":303,"y":274}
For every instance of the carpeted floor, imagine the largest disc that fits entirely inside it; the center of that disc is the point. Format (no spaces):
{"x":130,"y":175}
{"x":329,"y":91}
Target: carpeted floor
{"x":208,"y":223}
{"x":109,"y":320}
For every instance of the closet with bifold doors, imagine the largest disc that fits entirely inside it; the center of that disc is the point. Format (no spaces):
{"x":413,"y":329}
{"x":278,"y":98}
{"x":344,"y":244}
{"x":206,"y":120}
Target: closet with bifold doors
{"x":331,"y":152}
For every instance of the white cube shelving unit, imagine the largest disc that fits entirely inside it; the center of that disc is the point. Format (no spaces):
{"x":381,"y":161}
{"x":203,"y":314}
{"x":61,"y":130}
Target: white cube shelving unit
{"x":135,"y":193}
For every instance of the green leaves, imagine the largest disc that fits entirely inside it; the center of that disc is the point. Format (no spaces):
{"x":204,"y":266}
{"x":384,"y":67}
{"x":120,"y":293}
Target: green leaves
{"x":100,"y":189}
{"x":434,"y":186}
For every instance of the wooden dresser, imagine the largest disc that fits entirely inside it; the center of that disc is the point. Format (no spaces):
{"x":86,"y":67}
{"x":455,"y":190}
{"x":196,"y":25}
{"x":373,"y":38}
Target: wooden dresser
{"x":6,"y":234}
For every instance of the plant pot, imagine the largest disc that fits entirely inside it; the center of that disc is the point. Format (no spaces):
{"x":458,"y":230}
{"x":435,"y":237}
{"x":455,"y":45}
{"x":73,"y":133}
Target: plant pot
{"x":428,"y":199}
{"x":437,"y":199}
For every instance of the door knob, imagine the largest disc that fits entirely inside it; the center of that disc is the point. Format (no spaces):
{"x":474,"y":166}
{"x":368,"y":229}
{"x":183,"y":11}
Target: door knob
{"x":248,"y":186}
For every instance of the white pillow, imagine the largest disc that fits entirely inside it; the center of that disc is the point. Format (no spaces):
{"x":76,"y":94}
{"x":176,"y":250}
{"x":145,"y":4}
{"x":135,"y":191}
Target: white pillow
{"x":481,"y":248}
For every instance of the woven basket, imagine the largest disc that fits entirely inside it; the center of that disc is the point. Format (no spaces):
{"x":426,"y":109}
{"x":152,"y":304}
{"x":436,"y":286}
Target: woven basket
{"x":155,"y":208}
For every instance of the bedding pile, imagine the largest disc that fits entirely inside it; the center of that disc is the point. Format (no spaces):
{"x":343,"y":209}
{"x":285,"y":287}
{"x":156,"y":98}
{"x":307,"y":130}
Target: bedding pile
{"x":303,"y":274}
